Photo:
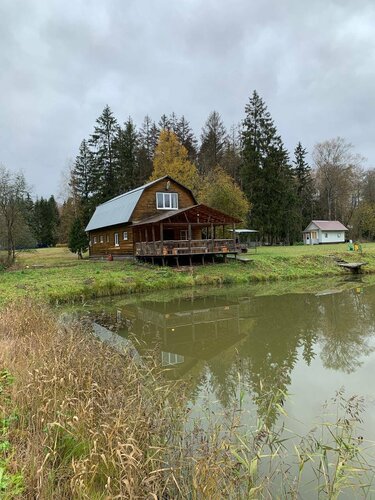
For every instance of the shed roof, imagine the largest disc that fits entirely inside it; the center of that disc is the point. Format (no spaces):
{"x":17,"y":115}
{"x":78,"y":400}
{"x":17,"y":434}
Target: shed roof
{"x":328,"y":225}
{"x":119,"y":210}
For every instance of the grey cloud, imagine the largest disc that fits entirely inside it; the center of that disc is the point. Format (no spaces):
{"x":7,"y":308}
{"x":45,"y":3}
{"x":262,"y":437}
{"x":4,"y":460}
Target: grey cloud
{"x":313,"y":63}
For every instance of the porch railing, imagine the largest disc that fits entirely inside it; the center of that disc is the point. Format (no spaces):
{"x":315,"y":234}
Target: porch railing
{"x":184,"y":247}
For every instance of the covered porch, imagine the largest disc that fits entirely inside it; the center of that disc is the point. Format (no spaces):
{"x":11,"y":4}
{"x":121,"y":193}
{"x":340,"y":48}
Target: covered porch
{"x":195,"y":231}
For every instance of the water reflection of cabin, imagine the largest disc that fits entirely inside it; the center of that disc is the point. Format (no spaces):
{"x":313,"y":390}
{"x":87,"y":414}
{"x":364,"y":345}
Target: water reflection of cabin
{"x":160,"y":221}
{"x":187,"y":331}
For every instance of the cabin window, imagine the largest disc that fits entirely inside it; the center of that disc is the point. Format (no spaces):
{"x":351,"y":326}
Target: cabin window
{"x":117,"y":244}
{"x":95,"y":240}
{"x":125,"y":235}
{"x":107,"y":238}
{"x":101,"y":238}
{"x":170,"y":358}
{"x":167,"y":201}
{"x":183,"y":234}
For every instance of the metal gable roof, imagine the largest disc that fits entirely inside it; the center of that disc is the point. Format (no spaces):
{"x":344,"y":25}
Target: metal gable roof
{"x":327,"y":225}
{"x":119,"y":210}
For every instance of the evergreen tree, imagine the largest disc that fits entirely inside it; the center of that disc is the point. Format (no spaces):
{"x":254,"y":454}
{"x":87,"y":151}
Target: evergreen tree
{"x":304,"y":186}
{"x":103,"y":143}
{"x":78,"y":241}
{"x":187,"y":138}
{"x":165,"y":123}
{"x":232,"y":159}
{"x":148,"y":139}
{"x":85,"y":181}
{"x":266,"y":175}
{"x":213,"y":140}
{"x":45,"y":222}
{"x":126,"y":151}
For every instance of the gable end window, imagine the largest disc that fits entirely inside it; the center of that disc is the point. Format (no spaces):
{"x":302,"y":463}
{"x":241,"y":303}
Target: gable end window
{"x":167,"y":201}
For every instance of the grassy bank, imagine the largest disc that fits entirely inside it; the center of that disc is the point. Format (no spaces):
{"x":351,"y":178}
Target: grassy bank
{"x":55,"y":275}
{"x":79,"y":420}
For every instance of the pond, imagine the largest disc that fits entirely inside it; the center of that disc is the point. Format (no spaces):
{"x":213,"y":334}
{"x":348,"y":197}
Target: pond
{"x":306,"y":340}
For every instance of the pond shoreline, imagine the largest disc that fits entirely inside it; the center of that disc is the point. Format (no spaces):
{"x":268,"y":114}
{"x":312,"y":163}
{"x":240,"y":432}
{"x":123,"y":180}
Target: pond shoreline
{"x":73,"y":281}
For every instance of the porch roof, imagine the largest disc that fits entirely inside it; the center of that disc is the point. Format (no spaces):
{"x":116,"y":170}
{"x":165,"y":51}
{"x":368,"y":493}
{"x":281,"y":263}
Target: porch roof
{"x":196,"y":214}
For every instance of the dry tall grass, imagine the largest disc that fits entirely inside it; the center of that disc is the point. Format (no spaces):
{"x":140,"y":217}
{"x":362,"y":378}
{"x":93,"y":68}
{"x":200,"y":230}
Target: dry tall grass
{"x":90,"y":423}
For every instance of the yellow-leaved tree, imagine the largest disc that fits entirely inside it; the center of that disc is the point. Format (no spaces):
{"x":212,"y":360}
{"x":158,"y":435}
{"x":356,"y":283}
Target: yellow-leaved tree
{"x":220,"y":191}
{"x":171,"y":158}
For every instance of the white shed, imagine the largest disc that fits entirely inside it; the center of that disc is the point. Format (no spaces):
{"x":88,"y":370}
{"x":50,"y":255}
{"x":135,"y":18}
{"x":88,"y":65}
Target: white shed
{"x":324,"y":231}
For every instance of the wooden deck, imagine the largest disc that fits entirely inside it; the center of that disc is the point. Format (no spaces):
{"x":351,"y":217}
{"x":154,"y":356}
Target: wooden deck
{"x":184,"y":247}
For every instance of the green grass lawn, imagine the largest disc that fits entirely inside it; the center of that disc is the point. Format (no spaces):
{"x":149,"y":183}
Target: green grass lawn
{"x":55,"y":275}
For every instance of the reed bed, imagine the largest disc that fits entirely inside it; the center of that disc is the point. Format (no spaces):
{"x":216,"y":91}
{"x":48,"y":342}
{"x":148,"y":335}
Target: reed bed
{"x":80,"y":420}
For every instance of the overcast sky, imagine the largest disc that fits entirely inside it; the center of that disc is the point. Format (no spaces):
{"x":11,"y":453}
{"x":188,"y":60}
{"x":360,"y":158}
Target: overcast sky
{"x":313,"y":62}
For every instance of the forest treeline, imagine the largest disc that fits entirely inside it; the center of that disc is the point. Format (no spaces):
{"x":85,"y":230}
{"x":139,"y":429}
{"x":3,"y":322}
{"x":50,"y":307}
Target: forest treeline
{"x":245,"y":170}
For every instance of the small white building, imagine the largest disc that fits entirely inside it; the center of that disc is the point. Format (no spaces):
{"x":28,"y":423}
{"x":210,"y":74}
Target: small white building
{"x":324,"y":231}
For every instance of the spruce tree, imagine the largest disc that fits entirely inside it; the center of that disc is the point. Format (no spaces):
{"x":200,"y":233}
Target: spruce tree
{"x":102,"y":141}
{"x":78,"y":241}
{"x":232,"y":158}
{"x":187,"y":138}
{"x":126,"y":151}
{"x":165,"y":123}
{"x":266,"y":174}
{"x":213,"y":140}
{"x":85,"y":181}
{"x":148,"y":139}
{"x":304,"y":186}
{"x":45,"y":223}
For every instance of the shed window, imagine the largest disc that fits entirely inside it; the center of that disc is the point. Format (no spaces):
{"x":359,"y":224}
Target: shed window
{"x":117,"y":244}
{"x":167,"y":201}
{"x":95,"y":240}
{"x":326,"y":235}
{"x":125,"y":235}
{"x":339,"y":235}
{"x":101,"y":238}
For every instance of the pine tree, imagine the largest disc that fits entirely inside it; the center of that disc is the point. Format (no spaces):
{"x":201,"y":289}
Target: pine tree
{"x":126,"y":152}
{"x":266,"y":174}
{"x":102,"y":141}
{"x":213,"y":140}
{"x":78,"y":241}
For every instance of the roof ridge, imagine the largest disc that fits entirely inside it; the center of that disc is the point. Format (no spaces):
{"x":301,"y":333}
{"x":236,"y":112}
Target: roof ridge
{"x":134,"y":190}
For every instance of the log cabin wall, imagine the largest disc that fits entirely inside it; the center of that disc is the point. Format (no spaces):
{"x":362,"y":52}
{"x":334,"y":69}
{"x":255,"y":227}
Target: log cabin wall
{"x":146,"y":206}
{"x":105,"y":241}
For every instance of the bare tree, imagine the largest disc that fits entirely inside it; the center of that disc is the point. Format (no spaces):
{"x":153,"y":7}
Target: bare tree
{"x":12,"y":191}
{"x":338,"y":174}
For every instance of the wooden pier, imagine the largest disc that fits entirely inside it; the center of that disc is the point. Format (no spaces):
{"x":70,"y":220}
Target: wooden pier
{"x":354,"y":267}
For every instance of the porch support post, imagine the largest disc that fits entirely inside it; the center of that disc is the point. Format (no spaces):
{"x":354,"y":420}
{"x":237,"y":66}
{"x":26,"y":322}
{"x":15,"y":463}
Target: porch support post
{"x":234,"y":235}
{"x":153,"y":238}
{"x":189,"y":237}
{"x":162,"y":239}
{"x":212,"y":238}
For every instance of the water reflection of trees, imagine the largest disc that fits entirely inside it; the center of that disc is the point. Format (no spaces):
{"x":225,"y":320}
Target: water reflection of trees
{"x":262,"y":341}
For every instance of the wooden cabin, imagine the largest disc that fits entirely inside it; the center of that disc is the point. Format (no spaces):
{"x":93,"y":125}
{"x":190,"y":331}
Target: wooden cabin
{"x":160,"y":221}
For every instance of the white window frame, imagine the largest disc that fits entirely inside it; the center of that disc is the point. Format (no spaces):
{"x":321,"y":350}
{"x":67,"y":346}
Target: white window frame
{"x":125,"y":235}
{"x":95,"y":240}
{"x":184,"y":232}
{"x":117,"y":243}
{"x":107,"y":238}
{"x":101,"y":238}
{"x":167,"y":196}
